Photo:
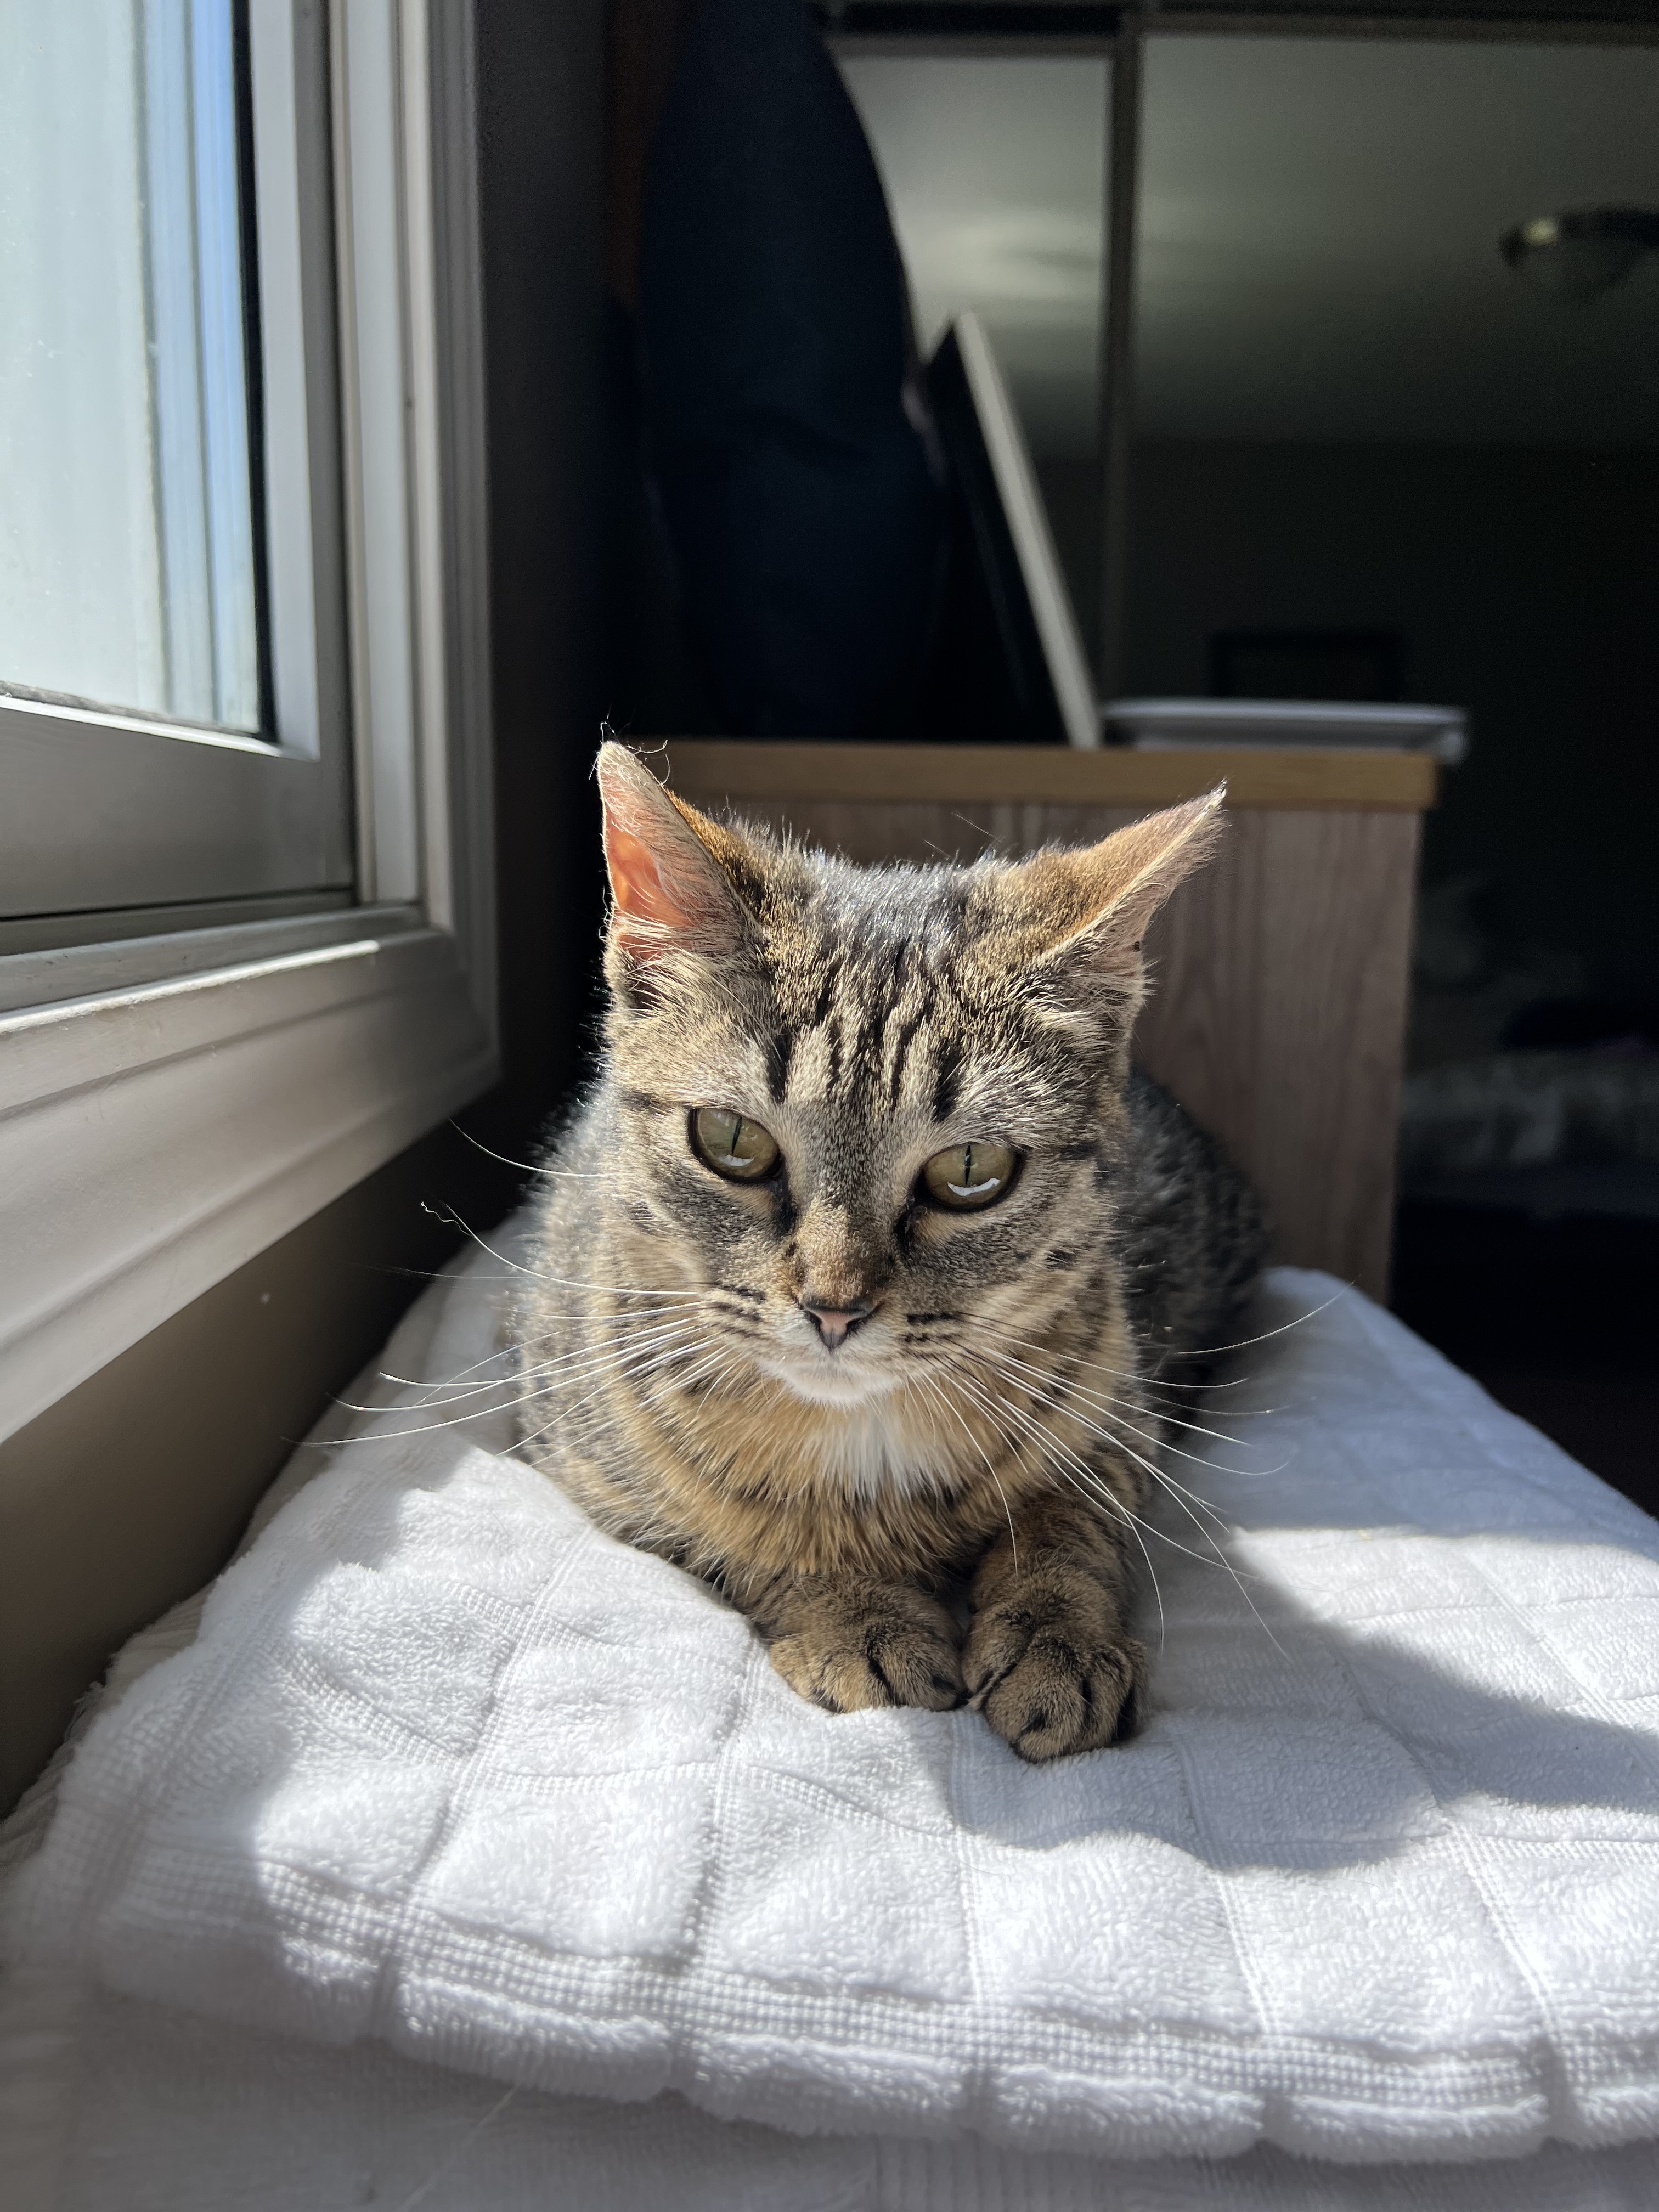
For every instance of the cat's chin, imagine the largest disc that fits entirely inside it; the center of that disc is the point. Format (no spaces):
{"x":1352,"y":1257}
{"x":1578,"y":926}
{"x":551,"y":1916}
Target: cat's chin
{"x":820,"y":1383}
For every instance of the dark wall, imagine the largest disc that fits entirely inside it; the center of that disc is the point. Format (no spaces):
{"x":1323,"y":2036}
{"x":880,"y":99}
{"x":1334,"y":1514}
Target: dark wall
{"x":1524,"y":585}
{"x":541,"y":75}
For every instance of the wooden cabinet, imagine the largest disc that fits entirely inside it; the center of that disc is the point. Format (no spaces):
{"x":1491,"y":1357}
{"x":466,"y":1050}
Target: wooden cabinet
{"x":1278,"y":1014}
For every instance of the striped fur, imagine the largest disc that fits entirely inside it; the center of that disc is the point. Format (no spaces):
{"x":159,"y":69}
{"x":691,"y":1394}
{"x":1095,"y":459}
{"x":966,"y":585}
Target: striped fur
{"x":945,"y":1506}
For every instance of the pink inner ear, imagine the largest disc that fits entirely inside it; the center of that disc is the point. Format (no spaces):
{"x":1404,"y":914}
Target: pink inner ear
{"x":639,"y":892}
{"x":635,"y":884}
{"x":667,"y":888}
{"x":655,"y":906}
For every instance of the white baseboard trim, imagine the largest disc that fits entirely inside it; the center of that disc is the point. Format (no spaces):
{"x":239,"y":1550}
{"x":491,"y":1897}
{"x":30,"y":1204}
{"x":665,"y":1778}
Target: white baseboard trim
{"x":154,"y":1138}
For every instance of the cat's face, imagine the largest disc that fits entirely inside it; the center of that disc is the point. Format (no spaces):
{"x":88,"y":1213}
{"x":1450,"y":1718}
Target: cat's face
{"x":873,"y":1113}
{"x":864,"y":1172}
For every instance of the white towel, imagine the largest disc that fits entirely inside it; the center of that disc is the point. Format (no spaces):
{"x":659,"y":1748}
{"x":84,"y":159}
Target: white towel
{"x":1379,"y":1880}
{"x":157,"y":2111}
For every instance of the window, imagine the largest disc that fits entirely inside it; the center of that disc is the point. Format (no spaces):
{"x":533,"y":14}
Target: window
{"x":128,"y":413}
{"x":245,"y":896}
{"x":172,"y":591}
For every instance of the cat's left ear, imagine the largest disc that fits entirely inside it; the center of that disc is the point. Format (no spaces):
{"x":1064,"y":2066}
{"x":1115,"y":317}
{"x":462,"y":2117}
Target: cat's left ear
{"x":1089,"y":912}
{"x":667,"y":888}
{"x":668,"y":891}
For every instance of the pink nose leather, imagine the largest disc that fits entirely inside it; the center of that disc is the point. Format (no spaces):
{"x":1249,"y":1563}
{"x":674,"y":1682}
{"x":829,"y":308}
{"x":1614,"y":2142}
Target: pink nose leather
{"x":834,"y":1322}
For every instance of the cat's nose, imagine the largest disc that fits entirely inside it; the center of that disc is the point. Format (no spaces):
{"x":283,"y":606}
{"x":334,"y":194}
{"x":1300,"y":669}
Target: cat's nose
{"x":835,"y":1323}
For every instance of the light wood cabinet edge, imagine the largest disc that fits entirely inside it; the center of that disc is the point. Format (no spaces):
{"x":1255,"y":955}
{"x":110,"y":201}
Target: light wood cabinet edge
{"x":718,"y":771}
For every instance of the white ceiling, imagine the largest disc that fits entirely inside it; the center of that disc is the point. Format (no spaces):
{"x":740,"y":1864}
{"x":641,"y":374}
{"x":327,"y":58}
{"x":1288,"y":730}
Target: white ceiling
{"x":1320,"y":220}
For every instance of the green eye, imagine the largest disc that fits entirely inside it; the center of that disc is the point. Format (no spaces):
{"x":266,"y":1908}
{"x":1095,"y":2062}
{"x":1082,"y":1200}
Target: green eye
{"x":735,"y":1147}
{"x":966,"y":1177}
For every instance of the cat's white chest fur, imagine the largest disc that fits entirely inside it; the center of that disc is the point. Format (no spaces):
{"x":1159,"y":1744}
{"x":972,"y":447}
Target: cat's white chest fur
{"x":879,"y":1447}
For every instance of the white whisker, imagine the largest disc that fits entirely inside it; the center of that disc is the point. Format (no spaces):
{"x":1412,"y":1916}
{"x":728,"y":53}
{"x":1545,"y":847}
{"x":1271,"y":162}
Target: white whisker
{"x":565,"y":1282}
{"x":1215,"y":1351}
{"x":503,"y":1352}
{"x":691,"y":1351}
{"x":573,"y":1174}
{"x":1022,"y":1366}
{"x":1220,"y":1558}
{"x":936,"y":1393}
{"x":1108,"y":1398}
{"x":616,"y":1358}
{"x":1147,"y":1382}
{"x":626,"y":1321}
{"x":1090,"y":1488}
{"x":1182,"y":1497}
{"x":1189,"y":1501}
{"x":630,"y":1373}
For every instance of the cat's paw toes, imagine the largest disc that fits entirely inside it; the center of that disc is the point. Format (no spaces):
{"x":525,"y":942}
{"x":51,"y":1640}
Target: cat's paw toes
{"x":897,"y":1649}
{"x":1055,"y":1685}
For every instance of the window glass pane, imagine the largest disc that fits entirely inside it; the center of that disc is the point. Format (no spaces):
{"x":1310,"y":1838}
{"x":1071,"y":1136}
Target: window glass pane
{"x":1374,"y":459}
{"x":127,"y":554}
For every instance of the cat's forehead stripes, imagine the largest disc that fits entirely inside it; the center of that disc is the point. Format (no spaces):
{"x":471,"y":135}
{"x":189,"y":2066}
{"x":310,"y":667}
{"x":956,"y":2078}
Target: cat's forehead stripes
{"x":884,"y":1025}
{"x":860,"y":974}
{"x":880,"y":1031}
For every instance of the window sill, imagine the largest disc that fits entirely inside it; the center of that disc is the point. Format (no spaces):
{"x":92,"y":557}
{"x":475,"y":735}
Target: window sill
{"x":168,"y":1120}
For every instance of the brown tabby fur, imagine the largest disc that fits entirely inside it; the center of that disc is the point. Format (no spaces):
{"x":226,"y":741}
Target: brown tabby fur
{"x":947,"y":1506}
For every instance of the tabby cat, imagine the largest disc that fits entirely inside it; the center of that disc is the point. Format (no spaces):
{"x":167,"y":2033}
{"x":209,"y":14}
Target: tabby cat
{"x":861,"y":1257}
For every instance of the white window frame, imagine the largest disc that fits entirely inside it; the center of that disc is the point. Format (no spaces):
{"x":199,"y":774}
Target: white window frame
{"x":180,"y":1085}
{"x":113,"y":809}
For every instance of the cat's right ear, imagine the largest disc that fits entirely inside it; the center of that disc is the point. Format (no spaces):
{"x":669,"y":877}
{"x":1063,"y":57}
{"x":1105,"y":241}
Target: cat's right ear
{"x":668,"y":892}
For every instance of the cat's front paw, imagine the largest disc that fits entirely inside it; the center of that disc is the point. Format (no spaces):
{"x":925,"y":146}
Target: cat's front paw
{"x":1050,"y":1679}
{"x":878,"y":1644}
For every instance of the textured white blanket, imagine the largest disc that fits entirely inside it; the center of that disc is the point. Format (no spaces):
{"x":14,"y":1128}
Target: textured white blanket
{"x":1381,"y":1880}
